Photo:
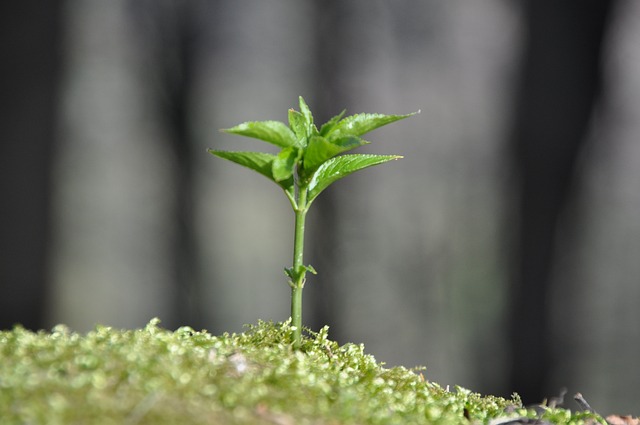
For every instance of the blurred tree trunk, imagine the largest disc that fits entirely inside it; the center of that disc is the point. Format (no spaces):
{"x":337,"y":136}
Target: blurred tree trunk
{"x":30,"y":48}
{"x":172,"y":31}
{"x":560,"y":83}
{"x":329,"y":97}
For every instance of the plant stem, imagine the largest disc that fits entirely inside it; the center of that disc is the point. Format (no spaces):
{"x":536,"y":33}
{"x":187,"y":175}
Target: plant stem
{"x":296,"y":315}
{"x":298,"y":267}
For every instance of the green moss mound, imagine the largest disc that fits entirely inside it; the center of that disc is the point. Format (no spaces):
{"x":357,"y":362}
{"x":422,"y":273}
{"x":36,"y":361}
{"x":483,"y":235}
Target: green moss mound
{"x":156,"y":376}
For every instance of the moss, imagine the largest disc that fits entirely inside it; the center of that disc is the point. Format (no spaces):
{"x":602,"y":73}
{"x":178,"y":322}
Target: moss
{"x":156,"y":376}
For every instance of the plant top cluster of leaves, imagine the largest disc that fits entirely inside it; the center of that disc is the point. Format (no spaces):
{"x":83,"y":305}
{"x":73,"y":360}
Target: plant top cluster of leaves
{"x":157,"y":376}
{"x":309,"y":157}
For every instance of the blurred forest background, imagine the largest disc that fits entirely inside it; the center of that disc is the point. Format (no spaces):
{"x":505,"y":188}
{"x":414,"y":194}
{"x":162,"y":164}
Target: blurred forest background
{"x":502,"y":253}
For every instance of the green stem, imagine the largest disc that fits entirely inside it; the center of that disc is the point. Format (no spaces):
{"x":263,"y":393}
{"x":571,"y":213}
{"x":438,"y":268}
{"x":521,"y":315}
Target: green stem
{"x":296,"y":315}
{"x":298,"y":267}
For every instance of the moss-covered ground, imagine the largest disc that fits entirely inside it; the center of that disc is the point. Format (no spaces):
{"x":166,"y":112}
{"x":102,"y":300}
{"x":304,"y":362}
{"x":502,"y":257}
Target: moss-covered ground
{"x":156,"y":376}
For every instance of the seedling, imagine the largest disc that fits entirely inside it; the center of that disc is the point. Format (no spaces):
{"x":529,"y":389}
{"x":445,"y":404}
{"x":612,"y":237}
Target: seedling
{"x":309,"y":161}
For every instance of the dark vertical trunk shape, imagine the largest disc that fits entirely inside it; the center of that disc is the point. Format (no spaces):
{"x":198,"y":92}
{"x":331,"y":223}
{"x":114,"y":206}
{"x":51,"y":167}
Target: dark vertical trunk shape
{"x":30,"y":48}
{"x":178,"y":78}
{"x":173,"y":35}
{"x":329,"y":97}
{"x":560,"y":83}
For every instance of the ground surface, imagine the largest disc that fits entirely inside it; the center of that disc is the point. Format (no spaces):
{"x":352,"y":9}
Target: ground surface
{"x":156,"y":376}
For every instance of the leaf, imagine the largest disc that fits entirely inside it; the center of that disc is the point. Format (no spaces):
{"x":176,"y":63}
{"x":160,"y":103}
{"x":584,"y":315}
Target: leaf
{"x":341,"y":166}
{"x":289,"y":272}
{"x":285,"y":162}
{"x":329,"y":125}
{"x":274,"y":132}
{"x":306,"y":112}
{"x":297,"y":125}
{"x":257,"y":161}
{"x":359,"y":124}
{"x":349,"y":142}
{"x":622,"y":420}
{"x":310,"y":269}
{"x":294,"y":274}
{"x":320,"y":149}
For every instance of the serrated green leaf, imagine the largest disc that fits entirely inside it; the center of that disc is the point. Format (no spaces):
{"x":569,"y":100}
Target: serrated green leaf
{"x":341,"y":166}
{"x":274,"y":132}
{"x":306,"y":112}
{"x":320,"y":149}
{"x":359,"y":124}
{"x":257,"y":161}
{"x":260,"y":162}
{"x":285,"y":162}
{"x":298,"y":126}
{"x":329,"y":125}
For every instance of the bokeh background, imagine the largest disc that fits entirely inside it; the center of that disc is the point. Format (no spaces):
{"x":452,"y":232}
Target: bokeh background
{"x":502,"y":253}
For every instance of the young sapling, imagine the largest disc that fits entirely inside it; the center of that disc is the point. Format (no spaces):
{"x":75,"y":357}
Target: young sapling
{"x":310,"y":159}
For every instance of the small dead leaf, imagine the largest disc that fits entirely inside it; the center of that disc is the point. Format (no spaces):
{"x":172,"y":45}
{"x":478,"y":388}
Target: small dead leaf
{"x":622,"y":420}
